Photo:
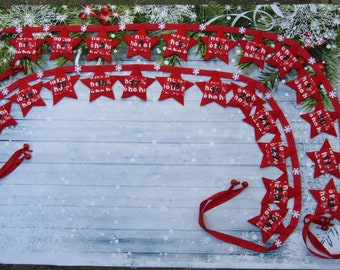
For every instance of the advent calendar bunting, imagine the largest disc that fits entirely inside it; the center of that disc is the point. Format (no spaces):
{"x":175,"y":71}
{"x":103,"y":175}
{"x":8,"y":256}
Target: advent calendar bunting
{"x":277,"y":218}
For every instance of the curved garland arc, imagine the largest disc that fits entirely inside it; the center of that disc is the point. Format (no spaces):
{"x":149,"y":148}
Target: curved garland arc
{"x":225,"y":75}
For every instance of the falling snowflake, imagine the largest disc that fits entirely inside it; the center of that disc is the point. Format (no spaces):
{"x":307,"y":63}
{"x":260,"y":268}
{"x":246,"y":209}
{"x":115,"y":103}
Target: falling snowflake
{"x":287,"y":129}
{"x":167,"y":13}
{"x":295,"y":214}
{"x":296,"y":171}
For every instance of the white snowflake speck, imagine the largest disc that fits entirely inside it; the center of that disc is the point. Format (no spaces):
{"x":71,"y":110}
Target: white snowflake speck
{"x":157,"y":67}
{"x":46,"y":28}
{"x":280,"y":38}
{"x":4,"y":91}
{"x":311,"y":61}
{"x":236,"y":76}
{"x":242,"y":30}
{"x":196,"y":71}
{"x":295,"y":214}
{"x":332,"y":94}
{"x":268,"y":95}
{"x":278,"y":243}
{"x":122,"y":26}
{"x":202,"y":27}
{"x":40,"y":74}
{"x":296,"y":171}
{"x":119,"y":67}
{"x":287,"y":129}
{"x":77,"y":68}
{"x":18,"y":29}
{"x":83,"y":28}
{"x":161,"y":26}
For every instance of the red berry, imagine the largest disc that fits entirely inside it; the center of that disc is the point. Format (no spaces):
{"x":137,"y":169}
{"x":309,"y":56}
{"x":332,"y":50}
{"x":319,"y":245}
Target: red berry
{"x":26,"y":146}
{"x":234,"y":182}
{"x":245,"y":184}
{"x":27,"y":156}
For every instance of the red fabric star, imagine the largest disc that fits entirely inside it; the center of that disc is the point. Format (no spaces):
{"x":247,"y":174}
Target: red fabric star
{"x":263,"y":121}
{"x":26,"y":46}
{"x":100,"y":85}
{"x":62,"y":86}
{"x":28,"y":96}
{"x":270,"y":222}
{"x":135,"y":84}
{"x":326,"y":160}
{"x":101,"y":46}
{"x":328,"y":200}
{"x":214,"y":91}
{"x":6,"y":119}
{"x":278,"y":191}
{"x":178,"y":44}
{"x":63,"y":45}
{"x":254,"y":51}
{"x":284,"y":59}
{"x":245,"y":98}
{"x":275,"y":153}
{"x":140,"y":44}
{"x":174,"y":87}
{"x":218,"y":46}
{"x":305,"y":86}
{"x":321,"y":120}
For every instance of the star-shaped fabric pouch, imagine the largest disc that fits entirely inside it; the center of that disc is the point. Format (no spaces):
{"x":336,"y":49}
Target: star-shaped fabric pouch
{"x":254,"y":51}
{"x":100,"y":85}
{"x":269,"y":221}
{"x":328,"y":200}
{"x":244,"y":97}
{"x":214,"y":91}
{"x":63,"y":45}
{"x":28,"y":96}
{"x":263,"y":121}
{"x":326,"y":160}
{"x":135,"y":84}
{"x":321,"y":120}
{"x":284,"y":59}
{"x":278,"y":191}
{"x":26,"y":46}
{"x":174,"y":87}
{"x":305,"y":86}
{"x":6,"y":119}
{"x":101,"y":46}
{"x":62,"y":86}
{"x":275,"y":153}
{"x":140,"y":44}
{"x":218,"y":46}
{"x":178,"y":44}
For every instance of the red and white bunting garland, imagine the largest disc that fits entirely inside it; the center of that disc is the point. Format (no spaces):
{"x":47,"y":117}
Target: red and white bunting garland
{"x":285,"y":55}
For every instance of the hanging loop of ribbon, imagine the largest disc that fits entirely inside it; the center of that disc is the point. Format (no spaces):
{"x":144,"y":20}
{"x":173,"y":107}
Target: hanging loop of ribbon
{"x":312,"y":243}
{"x":15,"y":160}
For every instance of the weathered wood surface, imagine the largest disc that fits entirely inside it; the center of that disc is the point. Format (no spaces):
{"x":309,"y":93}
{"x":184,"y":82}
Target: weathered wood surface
{"x":118,"y":183}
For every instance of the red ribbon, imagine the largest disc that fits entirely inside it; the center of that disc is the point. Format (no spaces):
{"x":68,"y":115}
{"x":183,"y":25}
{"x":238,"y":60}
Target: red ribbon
{"x":311,"y":241}
{"x":15,"y":160}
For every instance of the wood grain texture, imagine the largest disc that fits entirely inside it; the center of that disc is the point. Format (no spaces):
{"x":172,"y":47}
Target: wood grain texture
{"x":119,"y":182}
